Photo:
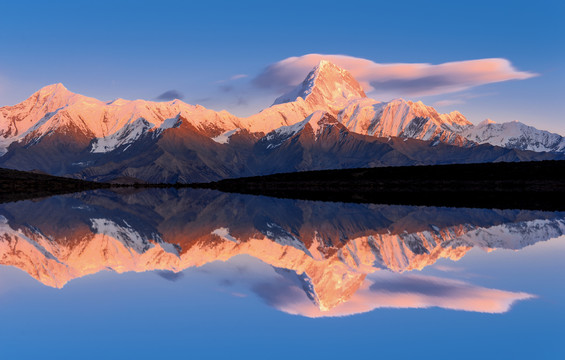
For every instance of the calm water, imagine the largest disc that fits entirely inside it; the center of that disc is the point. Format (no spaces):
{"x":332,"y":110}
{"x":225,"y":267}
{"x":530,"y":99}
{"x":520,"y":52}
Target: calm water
{"x":198,"y":274}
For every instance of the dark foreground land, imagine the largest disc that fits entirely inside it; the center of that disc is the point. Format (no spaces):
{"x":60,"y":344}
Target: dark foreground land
{"x":20,"y":185}
{"x":519,"y":185}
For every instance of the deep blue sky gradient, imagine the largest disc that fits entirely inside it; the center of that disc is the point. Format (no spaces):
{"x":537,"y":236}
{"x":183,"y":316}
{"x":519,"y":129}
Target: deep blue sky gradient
{"x":140,"y":49}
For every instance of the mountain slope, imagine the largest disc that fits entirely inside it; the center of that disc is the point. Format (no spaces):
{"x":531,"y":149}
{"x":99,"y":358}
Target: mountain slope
{"x":110,"y":125}
{"x":514,"y":135}
{"x":322,"y":142}
{"x":401,"y":118}
{"x":178,"y":154}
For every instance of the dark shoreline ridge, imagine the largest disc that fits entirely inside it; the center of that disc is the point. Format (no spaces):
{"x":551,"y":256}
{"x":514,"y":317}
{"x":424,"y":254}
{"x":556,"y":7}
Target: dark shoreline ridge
{"x":22,"y":185}
{"x":517,"y":185}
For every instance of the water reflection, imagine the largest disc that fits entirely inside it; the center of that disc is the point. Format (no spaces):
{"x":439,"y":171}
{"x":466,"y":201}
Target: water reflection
{"x":327,"y":259}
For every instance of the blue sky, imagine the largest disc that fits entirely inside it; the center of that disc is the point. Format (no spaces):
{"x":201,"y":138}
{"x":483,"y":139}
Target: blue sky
{"x":136,"y":49}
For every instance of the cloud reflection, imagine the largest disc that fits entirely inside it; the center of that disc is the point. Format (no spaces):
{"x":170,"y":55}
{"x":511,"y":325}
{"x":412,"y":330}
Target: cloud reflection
{"x":387,"y":290}
{"x":317,"y":259}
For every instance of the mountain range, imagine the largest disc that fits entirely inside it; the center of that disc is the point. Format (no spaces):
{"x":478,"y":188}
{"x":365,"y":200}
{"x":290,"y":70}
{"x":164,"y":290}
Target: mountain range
{"x":326,"y":122}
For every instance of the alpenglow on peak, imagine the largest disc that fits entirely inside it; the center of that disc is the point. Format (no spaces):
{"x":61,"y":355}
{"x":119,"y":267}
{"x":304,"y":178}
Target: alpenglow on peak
{"x":327,"y":84}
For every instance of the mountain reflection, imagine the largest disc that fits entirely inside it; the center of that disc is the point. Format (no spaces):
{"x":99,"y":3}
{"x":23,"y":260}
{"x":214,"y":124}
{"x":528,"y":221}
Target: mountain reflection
{"x":325,"y":257}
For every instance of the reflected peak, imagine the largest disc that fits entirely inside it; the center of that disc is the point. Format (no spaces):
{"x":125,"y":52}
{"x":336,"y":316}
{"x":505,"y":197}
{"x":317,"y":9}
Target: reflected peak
{"x":335,"y":253}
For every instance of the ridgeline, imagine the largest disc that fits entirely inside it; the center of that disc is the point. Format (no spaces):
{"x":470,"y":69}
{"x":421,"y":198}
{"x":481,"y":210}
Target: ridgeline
{"x":21,"y":185}
{"x":536,"y":185}
{"x":519,"y":185}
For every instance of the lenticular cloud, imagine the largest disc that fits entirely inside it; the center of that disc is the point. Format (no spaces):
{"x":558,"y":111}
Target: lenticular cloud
{"x":399,"y":79}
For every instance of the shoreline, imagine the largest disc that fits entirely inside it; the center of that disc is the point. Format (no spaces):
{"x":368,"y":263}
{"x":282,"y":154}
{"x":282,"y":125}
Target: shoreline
{"x":538,"y":185}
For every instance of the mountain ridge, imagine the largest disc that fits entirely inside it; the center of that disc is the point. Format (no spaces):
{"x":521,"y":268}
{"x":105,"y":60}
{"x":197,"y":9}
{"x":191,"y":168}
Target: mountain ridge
{"x":64,"y":133}
{"x":515,"y":135}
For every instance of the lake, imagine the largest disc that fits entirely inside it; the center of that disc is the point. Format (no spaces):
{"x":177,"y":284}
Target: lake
{"x":202,"y":274}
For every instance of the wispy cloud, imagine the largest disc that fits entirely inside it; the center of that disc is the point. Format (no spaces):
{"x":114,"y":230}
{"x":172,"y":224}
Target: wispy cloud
{"x":403,"y":79}
{"x":241,"y":101}
{"x":460,"y":99}
{"x":170,"y":95}
{"x":232,"y":78}
{"x":449,"y":102}
{"x":239,"y":76}
{"x":447,"y":268}
{"x":204,"y":100}
{"x":226,"y":88}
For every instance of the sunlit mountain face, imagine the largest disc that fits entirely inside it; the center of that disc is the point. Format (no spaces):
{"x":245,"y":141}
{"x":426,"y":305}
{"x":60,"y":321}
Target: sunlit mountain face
{"x":314,"y":259}
{"x":326,"y":122}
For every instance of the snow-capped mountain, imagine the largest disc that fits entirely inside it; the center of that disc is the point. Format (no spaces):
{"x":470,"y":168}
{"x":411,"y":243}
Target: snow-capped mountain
{"x":514,"y":135}
{"x":405,"y":119}
{"x":63,"y":133}
{"x":55,"y":109}
{"x":332,"y":89}
{"x":327,"y":88}
{"x":326,"y":85}
{"x":35,"y":117}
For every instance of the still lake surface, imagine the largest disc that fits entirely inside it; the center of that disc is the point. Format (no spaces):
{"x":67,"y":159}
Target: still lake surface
{"x":198,"y":274}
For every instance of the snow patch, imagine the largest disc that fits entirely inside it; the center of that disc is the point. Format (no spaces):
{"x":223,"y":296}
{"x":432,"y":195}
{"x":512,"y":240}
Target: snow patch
{"x":514,"y":135}
{"x":278,"y":136}
{"x":224,"y":138}
{"x":171,"y":123}
{"x":224,"y":233}
{"x":125,"y":136}
{"x":124,"y":234}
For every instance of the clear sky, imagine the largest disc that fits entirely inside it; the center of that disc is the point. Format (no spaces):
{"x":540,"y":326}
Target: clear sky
{"x":216,"y":52}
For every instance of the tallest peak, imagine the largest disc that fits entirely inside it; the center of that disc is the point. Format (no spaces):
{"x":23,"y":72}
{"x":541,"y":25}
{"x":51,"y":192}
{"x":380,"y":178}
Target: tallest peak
{"x":325,"y":66}
{"x":327,"y":85}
